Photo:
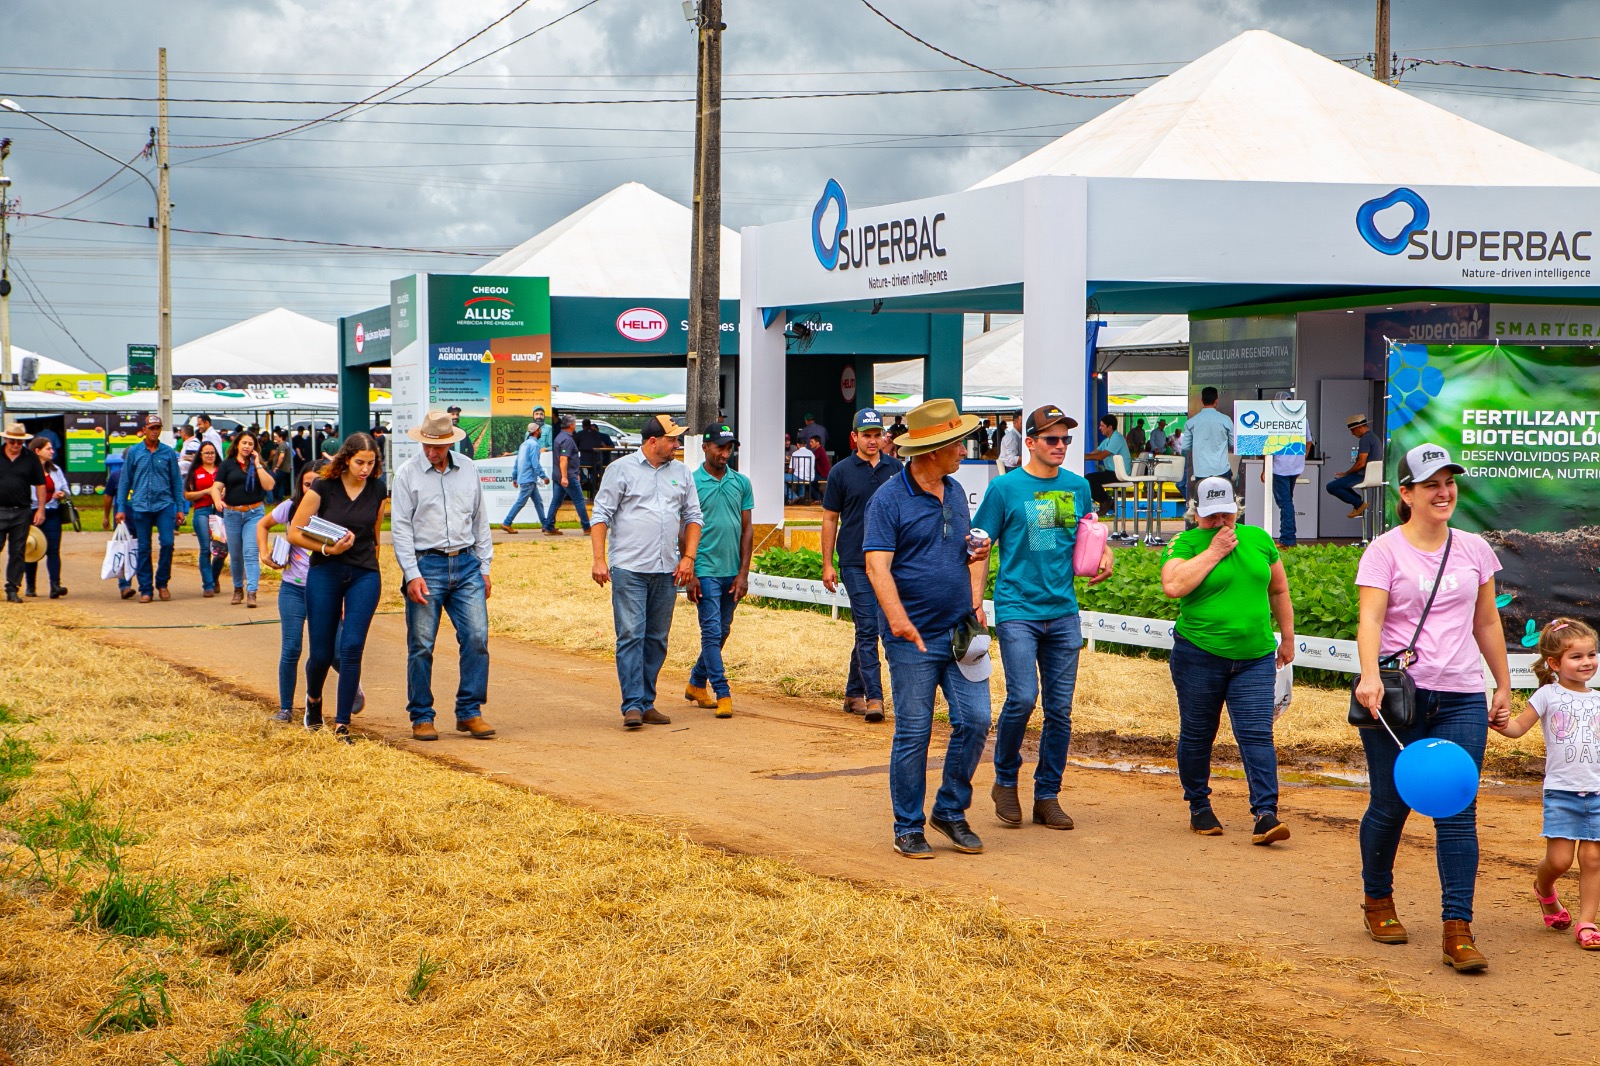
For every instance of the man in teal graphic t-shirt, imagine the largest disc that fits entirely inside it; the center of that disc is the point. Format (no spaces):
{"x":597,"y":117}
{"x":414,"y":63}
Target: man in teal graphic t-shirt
{"x":1032,"y":513}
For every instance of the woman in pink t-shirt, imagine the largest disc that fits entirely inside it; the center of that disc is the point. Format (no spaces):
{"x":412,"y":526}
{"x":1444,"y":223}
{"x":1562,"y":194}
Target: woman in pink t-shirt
{"x":1398,"y":572}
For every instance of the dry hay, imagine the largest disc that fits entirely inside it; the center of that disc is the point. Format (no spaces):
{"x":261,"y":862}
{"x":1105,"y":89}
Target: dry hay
{"x":565,"y":935}
{"x":543,"y":594}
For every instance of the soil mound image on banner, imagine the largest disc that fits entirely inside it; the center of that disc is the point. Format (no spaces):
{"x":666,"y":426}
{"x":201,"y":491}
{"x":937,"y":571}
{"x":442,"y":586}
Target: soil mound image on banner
{"x":1525,"y":423}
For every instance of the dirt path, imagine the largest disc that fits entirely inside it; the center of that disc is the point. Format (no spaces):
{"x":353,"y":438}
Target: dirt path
{"x":804,"y":782}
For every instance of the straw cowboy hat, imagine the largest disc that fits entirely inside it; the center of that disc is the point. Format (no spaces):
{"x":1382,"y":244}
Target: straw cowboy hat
{"x":36,"y":545}
{"x":436,"y":428}
{"x":16,"y":431}
{"x":934,"y":424}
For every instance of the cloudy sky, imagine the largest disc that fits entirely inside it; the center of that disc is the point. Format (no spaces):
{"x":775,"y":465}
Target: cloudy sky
{"x":482,"y":159}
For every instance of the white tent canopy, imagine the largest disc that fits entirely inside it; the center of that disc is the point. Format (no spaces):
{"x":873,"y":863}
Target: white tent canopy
{"x":279,"y":341}
{"x":47,"y":365}
{"x":1260,"y":108}
{"x":631,"y":242}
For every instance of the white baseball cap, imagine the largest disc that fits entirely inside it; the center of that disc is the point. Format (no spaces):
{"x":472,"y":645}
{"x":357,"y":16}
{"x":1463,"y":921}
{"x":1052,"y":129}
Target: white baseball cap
{"x":970,"y":646}
{"x":1424,"y":461}
{"x":1216,"y":497}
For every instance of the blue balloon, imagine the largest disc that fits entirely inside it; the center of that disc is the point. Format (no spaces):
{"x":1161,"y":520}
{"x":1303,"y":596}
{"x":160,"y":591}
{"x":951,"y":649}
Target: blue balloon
{"x":1436,"y":778}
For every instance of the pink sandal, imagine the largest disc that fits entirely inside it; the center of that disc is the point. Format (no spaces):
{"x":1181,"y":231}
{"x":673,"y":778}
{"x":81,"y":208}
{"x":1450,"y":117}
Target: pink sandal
{"x":1587,"y":934}
{"x":1561,"y":919}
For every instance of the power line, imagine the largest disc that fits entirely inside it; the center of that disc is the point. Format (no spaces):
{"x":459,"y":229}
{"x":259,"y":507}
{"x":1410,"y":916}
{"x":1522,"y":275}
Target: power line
{"x":36,"y":294}
{"x":255,"y":236}
{"x":1412,"y":62}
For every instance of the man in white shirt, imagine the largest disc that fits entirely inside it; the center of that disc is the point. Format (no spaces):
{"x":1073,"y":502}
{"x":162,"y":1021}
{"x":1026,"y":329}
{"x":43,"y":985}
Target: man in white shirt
{"x":1011,"y":444}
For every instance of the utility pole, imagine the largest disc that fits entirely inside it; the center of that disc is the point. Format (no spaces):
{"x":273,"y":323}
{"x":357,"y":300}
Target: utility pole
{"x":1381,"y":47}
{"x":164,"y":253}
{"x":705,"y":273}
{"x":5,"y":264}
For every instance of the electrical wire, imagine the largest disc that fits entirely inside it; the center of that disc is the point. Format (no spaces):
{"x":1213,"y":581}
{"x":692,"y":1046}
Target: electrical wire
{"x":42,"y":302}
{"x":253,"y":236}
{"x":1412,"y":62}
{"x":994,"y":73}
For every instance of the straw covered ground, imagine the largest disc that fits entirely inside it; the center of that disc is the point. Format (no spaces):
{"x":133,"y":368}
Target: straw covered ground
{"x":270,"y":866}
{"x":543,"y":594}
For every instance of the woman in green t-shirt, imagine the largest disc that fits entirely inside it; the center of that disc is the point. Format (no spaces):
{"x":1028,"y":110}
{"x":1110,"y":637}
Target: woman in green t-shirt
{"x":1231,"y":587}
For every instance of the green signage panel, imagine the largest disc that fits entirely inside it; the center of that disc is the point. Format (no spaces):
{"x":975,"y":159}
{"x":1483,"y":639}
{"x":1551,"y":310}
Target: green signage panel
{"x":86,"y":450}
{"x":471,"y":307}
{"x":402,"y":312}
{"x":364,"y":337}
{"x":142,"y":366}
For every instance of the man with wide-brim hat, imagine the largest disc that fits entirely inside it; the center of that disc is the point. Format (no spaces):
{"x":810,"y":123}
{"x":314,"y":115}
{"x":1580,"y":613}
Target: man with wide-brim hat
{"x":929,"y":582}
{"x":1368,"y":449}
{"x":439,"y":528}
{"x":22,"y":499}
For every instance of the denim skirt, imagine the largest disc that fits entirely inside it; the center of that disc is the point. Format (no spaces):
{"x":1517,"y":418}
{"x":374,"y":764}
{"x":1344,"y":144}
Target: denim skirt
{"x":1571,"y":815}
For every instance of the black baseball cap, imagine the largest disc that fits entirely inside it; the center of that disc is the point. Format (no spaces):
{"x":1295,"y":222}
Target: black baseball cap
{"x":719,"y":433}
{"x":1045,"y":417}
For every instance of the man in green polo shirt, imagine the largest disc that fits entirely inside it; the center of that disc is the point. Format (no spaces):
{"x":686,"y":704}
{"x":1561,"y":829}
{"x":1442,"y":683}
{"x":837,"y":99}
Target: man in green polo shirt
{"x":722,"y":567}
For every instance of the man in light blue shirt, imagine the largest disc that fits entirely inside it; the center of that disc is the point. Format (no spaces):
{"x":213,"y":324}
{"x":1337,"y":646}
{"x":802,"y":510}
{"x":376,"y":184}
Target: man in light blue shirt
{"x":1208,"y":442}
{"x":527,"y":475}
{"x":150,"y":499}
{"x":1112,"y":444}
{"x":646,"y":503}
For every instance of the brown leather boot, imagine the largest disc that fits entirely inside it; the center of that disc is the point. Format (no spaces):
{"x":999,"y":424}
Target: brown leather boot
{"x":1382,"y":925}
{"x":238,"y":597}
{"x":1461,"y":952}
{"x":873,"y":711}
{"x":1049,"y":814}
{"x":1006,"y":806}
{"x":477,"y":727}
{"x":424,"y":731}
{"x":699,"y":695}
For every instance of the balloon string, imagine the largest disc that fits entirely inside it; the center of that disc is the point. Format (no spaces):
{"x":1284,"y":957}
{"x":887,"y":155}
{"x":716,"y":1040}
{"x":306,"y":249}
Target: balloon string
{"x":1385,"y":725}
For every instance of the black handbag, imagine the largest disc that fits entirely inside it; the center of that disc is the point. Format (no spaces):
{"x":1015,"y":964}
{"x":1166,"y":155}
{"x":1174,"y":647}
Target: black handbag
{"x":1399,"y":706}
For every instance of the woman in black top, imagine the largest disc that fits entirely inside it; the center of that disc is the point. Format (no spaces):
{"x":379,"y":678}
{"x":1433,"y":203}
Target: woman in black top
{"x":243,"y":483}
{"x":343,"y":581}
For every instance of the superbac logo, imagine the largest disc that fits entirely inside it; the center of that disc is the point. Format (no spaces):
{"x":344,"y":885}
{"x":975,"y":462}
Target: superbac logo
{"x":641,"y":324}
{"x":488,"y":303}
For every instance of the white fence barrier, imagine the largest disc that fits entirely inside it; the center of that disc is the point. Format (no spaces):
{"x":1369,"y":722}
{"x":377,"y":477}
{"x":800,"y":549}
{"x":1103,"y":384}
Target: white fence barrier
{"x":1322,"y":653}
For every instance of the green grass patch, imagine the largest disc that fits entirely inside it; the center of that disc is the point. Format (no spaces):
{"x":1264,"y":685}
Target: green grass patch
{"x":140,"y":1003}
{"x":273,"y":1037}
{"x":231,"y":928}
{"x":427,"y":968}
{"x":133,"y":905}
{"x":16,"y":762}
{"x":73,"y":823}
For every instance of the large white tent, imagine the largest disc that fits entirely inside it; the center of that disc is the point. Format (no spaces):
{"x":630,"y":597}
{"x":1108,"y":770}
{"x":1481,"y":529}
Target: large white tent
{"x":276,"y":342}
{"x":47,"y":365}
{"x":632,"y":242}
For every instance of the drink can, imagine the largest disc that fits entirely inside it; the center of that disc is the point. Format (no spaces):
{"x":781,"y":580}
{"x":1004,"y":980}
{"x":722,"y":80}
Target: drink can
{"x":977,"y":540}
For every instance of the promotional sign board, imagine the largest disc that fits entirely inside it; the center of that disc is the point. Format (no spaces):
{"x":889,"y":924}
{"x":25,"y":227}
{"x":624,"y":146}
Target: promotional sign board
{"x":1269,"y":427}
{"x":71,"y":383}
{"x":1524,"y":421}
{"x":1242,"y":353}
{"x":1544,"y":324}
{"x":86,"y":447}
{"x":141,"y":366}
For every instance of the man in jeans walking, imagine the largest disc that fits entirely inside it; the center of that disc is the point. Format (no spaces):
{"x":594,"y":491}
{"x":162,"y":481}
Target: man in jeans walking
{"x":1032,"y":515}
{"x":23,"y":495}
{"x":930,"y":588}
{"x":568,"y":484}
{"x":722,"y":564}
{"x":647,"y":506}
{"x":527,"y":475}
{"x":440,"y":530}
{"x":852,"y":482}
{"x":150,"y":498}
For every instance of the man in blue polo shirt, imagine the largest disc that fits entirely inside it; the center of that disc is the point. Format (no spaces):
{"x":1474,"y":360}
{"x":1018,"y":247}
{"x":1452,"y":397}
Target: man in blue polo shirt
{"x":1032,"y":515}
{"x":851,"y":483}
{"x":930,"y":586}
{"x":722,"y":565}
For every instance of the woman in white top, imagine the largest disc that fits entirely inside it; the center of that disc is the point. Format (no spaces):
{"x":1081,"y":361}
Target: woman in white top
{"x":56,"y":482}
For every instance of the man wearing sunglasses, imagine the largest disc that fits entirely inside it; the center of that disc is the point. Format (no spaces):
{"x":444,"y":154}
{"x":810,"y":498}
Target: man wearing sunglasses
{"x":1032,"y":513}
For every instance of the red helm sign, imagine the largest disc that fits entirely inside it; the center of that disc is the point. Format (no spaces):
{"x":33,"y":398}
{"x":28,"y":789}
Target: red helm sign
{"x":641,"y":324}
{"x":361,"y":338}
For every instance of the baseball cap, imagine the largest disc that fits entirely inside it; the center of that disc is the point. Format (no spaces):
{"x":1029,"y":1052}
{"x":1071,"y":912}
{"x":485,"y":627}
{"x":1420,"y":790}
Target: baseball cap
{"x":533,"y":427}
{"x":718,"y":433}
{"x":152,"y":420}
{"x":1424,"y":461}
{"x":1045,"y":417}
{"x":1216,"y":497}
{"x":867,"y":418}
{"x":662,"y":426}
{"x":969,"y":643}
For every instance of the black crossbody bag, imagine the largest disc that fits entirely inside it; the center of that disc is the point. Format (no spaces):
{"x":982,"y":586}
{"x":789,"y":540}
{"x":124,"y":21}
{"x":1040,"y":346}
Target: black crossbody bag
{"x":1399,"y":707}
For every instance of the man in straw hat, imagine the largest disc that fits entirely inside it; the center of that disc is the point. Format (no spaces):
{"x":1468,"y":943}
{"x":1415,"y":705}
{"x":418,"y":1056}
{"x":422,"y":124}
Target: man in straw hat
{"x":22,"y":500}
{"x":648,"y":509}
{"x":1033,"y":514}
{"x":929,"y":583}
{"x":1368,"y":449}
{"x":440,"y":530}
{"x":150,"y":499}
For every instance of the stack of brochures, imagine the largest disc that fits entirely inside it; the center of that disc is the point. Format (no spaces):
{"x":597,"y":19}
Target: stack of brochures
{"x":319,"y":528}
{"x":280,"y":550}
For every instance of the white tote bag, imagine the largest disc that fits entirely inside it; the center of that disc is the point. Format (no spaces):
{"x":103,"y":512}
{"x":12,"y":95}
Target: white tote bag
{"x":1282,"y":691}
{"x":219,"y":529}
{"x":118,"y":548}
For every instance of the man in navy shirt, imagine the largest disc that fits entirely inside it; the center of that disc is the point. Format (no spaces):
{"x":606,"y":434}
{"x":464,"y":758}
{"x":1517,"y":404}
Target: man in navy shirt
{"x":568,"y":486}
{"x":930,"y":588}
{"x":851,"y":484}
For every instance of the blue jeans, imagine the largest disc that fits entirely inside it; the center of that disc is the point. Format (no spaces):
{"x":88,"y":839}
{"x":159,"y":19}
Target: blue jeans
{"x":865,"y":678}
{"x":525,"y":493}
{"x":1462,"y":717}
{"x":291,"y":627}
{"x":1204,"y":682}
{"x":1344,"y":488}
{"x":202,"y":532}
{"x":335,"y":592}
{"x":914,"y":676}
{"x":1034,"y":653}
{"x":242,"y":548}
{"x":641,"y":608}
{"x":52,"y":551}
{"x":455,"y":586}
{"x":1283,"y":497}
{"x":573,"y":491}
{"x":163,"y":524}
{"x":716,"y":620}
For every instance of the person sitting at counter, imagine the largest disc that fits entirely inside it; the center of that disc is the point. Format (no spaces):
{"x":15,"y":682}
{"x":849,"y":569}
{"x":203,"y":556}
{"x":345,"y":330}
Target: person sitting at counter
{"x":1112,"y":444}
{"x":1368,"y":449}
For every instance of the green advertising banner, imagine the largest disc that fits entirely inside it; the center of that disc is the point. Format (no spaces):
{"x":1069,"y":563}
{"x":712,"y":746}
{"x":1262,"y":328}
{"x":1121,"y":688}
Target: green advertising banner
{"x":468,"y":307}
{"x":402,"y":312}
{"x":1525,"y":423}
{"x":141,"y":366}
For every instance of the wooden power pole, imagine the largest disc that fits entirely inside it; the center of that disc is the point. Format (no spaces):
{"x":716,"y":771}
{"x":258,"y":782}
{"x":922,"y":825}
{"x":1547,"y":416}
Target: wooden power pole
{"x":705,"y":268}
{"x":1381,"y":48}
{"x":164,"y":253}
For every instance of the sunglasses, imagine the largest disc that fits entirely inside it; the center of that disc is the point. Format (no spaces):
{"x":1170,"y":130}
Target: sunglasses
{"x":1053,"y":441}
